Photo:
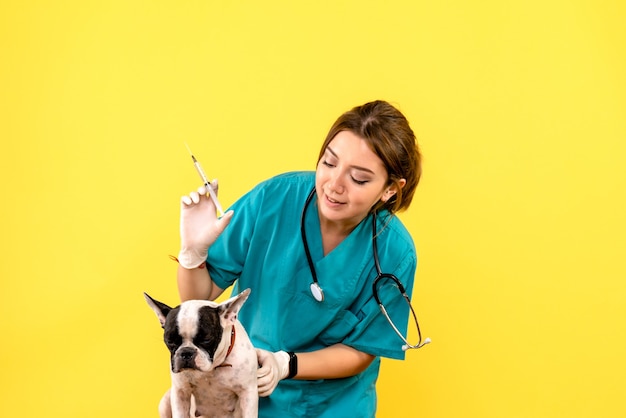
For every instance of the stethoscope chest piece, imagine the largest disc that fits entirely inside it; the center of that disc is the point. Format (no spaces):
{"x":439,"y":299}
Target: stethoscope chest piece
{"x":317,"y":292}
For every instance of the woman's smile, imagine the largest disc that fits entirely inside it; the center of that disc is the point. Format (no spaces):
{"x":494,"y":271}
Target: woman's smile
{"x":350,"y":179}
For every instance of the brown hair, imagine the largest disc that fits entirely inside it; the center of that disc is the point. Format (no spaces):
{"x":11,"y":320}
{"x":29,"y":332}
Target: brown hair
{"x":389,"y":135}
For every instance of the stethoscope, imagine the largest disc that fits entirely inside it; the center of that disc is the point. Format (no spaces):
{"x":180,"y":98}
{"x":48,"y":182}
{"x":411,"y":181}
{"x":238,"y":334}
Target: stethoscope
{"x":318,"y":293}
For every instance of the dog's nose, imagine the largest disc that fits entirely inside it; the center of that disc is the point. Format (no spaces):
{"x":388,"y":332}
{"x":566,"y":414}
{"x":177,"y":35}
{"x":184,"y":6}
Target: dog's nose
{"x":187,"y":353}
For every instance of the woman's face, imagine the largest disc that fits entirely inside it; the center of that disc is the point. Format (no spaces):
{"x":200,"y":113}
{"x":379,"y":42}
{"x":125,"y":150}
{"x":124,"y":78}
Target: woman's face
{"x":350,"y":179}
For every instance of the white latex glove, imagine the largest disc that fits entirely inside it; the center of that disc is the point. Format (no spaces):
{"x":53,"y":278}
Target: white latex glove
{"x":199,"y":226}
{"x":274,"y":367}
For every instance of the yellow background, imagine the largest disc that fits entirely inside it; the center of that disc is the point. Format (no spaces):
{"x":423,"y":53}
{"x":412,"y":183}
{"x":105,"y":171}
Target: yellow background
{"x":520,"y":110}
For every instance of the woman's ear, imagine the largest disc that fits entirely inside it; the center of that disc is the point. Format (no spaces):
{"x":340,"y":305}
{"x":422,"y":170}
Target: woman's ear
{"x":392,"y":190}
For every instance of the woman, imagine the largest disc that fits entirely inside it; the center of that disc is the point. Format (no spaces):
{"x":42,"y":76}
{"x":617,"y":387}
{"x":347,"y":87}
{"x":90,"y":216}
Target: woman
{"x":319,"y":350}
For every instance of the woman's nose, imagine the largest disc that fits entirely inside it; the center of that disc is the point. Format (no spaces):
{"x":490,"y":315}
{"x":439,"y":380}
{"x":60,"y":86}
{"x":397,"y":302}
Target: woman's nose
{"x":335,"y":183}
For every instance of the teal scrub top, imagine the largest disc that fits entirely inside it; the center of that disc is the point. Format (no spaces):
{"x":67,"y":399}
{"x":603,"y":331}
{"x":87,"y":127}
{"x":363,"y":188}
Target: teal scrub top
{"x":262,"y":249}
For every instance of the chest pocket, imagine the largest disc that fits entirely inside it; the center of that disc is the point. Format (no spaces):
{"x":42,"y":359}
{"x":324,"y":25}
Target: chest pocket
{"x":339,"y":328}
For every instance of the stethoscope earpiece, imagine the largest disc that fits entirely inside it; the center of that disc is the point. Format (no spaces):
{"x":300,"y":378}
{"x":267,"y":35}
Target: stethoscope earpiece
{"x":407,"y":346}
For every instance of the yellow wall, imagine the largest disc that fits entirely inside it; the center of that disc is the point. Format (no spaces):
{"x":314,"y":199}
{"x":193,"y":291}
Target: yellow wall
{"x":520,"y":108}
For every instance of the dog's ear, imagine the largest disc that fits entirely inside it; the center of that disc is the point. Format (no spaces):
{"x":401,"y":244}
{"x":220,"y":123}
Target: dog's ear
{"x":160,"y":309}
{"x":229,"y":309}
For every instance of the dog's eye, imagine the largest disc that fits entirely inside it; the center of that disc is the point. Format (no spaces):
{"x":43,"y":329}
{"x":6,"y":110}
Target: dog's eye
{"x":209,"y":343}
{"x":173,"y":341}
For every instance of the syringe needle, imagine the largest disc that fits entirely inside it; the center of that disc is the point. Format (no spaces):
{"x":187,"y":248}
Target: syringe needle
{"x":207,"y":183}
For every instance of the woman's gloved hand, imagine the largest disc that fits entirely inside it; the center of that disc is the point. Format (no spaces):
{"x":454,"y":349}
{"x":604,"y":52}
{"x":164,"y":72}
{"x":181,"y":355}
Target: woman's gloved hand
{"x":199,"y":226}
{"x":273,"y":368}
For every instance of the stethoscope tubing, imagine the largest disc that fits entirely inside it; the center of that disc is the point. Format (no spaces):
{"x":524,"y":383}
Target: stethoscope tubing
{"x":380,"y":276}
{"x":316,"y":290}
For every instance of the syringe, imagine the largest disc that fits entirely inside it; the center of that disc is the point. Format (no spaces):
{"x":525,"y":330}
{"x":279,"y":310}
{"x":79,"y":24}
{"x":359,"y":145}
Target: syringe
{"x":207,"y":183}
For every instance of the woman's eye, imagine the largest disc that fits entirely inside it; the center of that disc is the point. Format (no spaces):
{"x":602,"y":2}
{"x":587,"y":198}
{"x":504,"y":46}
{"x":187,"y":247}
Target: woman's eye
{"x":327,"y":164}
{"x":359,"y":182}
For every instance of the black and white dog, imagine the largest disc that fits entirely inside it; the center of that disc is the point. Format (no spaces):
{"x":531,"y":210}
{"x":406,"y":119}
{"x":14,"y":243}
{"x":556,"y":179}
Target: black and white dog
{"x":213,"y":363}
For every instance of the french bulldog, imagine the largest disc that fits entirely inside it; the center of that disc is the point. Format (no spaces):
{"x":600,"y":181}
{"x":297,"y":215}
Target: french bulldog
{"x":213,"y":363}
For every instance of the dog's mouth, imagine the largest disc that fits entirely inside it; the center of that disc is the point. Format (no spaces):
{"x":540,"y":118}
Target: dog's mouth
{"x":178,"y":369}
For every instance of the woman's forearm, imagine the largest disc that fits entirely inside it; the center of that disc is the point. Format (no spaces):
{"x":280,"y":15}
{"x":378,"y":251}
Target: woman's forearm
{"x":333,"y":362}
{"x":196,"y":284}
